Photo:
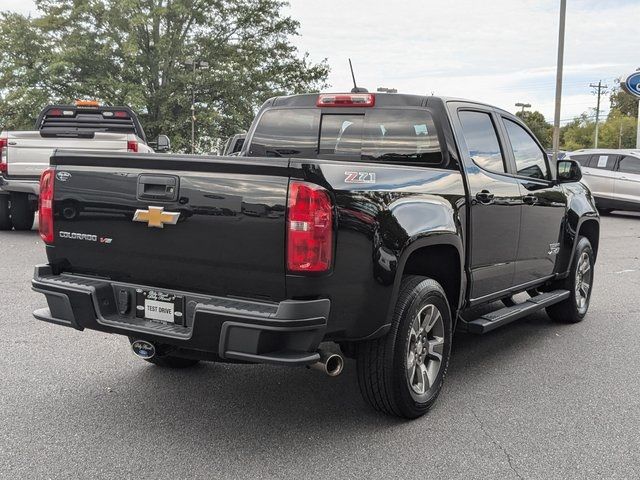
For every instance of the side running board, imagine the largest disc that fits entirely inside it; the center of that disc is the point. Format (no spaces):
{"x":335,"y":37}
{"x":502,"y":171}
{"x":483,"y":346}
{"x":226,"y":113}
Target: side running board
{"x":492,"y":320}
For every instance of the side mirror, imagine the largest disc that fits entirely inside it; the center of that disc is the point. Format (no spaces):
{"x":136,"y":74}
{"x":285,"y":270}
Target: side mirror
{"x":569,"y":171}
{"x":163,"y":144}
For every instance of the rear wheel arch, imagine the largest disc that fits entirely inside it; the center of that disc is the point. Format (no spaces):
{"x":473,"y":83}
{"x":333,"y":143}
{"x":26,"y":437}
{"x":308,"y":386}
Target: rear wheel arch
{"x":439,"y":258}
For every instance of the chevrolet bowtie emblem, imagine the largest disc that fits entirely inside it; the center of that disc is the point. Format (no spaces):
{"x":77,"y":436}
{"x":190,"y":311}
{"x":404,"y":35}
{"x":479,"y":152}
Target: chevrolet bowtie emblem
{"x":156,"y":217}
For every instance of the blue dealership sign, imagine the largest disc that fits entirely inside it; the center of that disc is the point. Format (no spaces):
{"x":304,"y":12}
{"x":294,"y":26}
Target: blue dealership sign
{"x":632,"y":84}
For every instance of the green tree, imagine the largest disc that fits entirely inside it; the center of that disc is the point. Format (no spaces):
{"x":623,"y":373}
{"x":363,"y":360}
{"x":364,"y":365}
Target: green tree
{"x":577,"y":134}
{"x":623,"y":103}
{"x":619,"y":131}
{"x":134,"y":52}
{"x":538,"y":125}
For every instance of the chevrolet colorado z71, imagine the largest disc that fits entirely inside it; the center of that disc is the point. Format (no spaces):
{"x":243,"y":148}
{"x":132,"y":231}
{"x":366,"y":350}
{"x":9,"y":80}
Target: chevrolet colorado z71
{"x":377,"y":222}
{"x":25,"y":155}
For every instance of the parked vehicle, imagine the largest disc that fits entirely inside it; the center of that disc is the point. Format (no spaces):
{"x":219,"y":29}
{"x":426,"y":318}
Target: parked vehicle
{"x":613,"y":177}
{"x":234,"y":144}
{"x":402,"y":214}
{"x":24,"y":155}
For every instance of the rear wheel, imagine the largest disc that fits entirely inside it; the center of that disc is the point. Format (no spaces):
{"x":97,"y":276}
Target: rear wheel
{"x":579,"y":283}
{"x":5,"y":217}
{"x":402,"y":374}
{"x":22,"y":214}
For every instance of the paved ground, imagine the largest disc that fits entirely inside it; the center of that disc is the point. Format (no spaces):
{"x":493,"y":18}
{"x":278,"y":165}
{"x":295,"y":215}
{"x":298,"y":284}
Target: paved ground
{"x":532,"y":400}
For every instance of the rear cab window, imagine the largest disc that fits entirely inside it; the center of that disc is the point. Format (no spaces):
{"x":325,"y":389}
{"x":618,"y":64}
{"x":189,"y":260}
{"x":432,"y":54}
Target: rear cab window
{"x":386,"y":135}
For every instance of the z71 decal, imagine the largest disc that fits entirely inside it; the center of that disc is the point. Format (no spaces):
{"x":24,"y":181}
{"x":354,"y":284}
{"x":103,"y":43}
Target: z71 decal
{"x":360,"y":177}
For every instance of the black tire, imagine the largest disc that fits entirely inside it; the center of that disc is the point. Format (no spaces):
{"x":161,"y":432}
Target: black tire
{"x":169,"y":361}
{"x":569,"y":310}
{"x":5,"y":215}
{"x":22,"y":214}
{"x":383,"y":364}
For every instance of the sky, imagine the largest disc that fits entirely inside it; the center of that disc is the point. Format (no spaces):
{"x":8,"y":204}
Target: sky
{"x":496,"y":51}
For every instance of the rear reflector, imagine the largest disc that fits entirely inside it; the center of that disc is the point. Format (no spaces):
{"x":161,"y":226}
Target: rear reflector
{"x":132,"y":146}
{"x":309,"y":228}
{"x":45,"y":210}
{"x":121,"y":114}
{"x":346,"y":100}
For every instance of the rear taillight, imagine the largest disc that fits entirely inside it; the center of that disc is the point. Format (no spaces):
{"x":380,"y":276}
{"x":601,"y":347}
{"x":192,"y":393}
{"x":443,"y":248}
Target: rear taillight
{"x":45,"y":210}
{"x":346,"y":100}
{"x":309,"y":228}
{"x":3,"y":155}
{"x":132,"y":146}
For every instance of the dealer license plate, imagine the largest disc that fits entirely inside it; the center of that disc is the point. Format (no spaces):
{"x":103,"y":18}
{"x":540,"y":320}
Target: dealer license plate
{"x":161,"y":306}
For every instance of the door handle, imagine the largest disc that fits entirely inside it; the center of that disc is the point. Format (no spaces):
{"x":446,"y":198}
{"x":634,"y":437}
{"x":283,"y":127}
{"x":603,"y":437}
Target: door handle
{"x":158,"y":187}
{"x":485,"y":196}
{"x":530,"y":199}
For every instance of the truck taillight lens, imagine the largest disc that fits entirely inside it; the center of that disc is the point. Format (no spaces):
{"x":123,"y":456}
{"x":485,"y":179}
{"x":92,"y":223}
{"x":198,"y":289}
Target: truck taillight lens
{"x":309,"y":228}
{"x":3,"y":155}
{"x":132,"y":146}
{"x":45,"y":210}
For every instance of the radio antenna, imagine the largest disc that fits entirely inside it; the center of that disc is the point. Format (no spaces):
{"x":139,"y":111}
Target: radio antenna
{"x":355,"y":88}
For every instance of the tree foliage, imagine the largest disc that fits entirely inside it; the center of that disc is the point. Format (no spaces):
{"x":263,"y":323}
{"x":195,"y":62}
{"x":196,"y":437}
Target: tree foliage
{"x":538,"y":125}
{"x":623,"y":103}
{"x":134,"y":52}
{"x":618,"y":131}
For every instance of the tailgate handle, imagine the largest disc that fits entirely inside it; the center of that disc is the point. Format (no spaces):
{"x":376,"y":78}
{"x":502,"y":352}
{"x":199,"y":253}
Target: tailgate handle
{"x":158,"y":187}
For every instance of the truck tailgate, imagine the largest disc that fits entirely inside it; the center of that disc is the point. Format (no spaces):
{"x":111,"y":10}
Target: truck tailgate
{"x":229,"y":237}
{"x":29,"y":152}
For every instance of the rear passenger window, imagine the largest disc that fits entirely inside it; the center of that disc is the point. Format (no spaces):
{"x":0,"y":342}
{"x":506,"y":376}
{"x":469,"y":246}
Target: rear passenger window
{"x":531,"y":161}
{"x":606,"y":162}
{"x":629,"y":165}
{"x":482,"y":140}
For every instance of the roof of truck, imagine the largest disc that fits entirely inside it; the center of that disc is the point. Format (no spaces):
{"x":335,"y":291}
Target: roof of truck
{"x":383,"y":99}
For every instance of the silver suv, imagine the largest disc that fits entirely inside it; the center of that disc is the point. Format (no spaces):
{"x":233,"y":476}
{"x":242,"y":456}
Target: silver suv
{"x":613,"y":177}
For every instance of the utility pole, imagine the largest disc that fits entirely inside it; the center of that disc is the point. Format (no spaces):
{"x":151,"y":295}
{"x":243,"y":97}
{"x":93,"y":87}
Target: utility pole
{"x":523,"y":105}
{"x":599,"y":87}
{"x":638,"y":125}
{"x":556,"y":118}
{"x":193,"y":110}
{"x":620,"y":137}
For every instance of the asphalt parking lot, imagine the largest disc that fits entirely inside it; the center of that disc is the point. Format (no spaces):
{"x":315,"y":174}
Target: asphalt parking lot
{"x":531,"y":400}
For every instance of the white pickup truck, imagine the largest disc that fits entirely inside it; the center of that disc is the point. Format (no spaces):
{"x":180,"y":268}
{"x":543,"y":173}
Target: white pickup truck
{"x":86,"y":126}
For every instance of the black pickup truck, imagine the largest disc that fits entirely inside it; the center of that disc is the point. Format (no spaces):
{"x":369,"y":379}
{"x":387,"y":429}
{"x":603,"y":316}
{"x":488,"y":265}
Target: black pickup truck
{"x":375,"y":223}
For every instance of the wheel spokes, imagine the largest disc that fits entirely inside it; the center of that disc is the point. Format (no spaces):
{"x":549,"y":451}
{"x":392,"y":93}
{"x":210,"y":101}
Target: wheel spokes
{"x":435,"y":348}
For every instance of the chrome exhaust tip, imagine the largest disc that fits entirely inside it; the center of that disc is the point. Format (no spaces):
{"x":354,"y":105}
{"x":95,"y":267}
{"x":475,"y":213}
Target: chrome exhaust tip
{"x":330,"y":364}
{"x":143,"y":349}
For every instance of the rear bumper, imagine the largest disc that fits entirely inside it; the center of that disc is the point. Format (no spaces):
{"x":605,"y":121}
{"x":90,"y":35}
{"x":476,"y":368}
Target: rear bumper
{"x":9,"y":185}
{"x":286,"y":333}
